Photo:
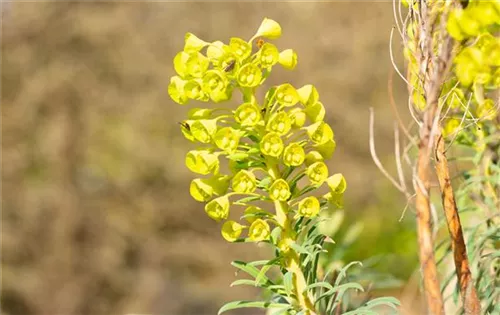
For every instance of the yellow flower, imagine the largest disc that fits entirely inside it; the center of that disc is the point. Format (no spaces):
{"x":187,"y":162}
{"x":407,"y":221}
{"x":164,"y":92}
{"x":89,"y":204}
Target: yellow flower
{"x":279,"y":190}
{"x":317,"y":173}
{"x":271,"y":144}
{"x":320,"y":132}
{"x":293,"y":155}
{"x":231,"y":230}
{"x":247,"y":114}
{"x":244,"y":182}
{"x":201,"y":162}
{"x":227,"y":139}
{"x":309,"y":207}
{"x":193,"y":43}
{"x":259,"y":230}
{"x":337,"y":183}
{"x":200,"y":190}
{"x":218,"y":208}
{"x":279,"y":123}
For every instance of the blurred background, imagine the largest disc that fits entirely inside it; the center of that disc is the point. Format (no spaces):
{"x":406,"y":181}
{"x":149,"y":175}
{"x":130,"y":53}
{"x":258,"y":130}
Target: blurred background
{"x":97,"y":217}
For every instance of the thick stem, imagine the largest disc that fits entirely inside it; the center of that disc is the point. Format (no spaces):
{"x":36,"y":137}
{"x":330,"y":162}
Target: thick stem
{"x":292,"y":259}
{"x":470,"y":300}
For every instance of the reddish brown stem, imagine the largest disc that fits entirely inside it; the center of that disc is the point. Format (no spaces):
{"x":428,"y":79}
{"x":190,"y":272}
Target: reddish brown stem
{"x":425,"y":240}
{"x":468,"y":292}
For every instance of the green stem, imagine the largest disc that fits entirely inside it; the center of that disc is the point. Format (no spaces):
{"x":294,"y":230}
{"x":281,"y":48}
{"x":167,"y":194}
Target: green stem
{"x":292,"y":258}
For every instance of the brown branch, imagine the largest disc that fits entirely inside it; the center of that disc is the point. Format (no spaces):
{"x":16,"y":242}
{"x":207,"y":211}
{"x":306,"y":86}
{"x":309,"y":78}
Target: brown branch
{"x":425,"y":239}
{"x":470,"y":300}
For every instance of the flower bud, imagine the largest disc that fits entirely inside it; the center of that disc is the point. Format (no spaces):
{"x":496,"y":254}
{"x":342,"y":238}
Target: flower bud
{"x":309,"y":207}
{"x":259,"y":231}
{"x":231,"y":230}
{"x":288,"y":59}
{"x":244,"y":182}
{"x":269,"y":29}
{"x":337,"y":183}
{"x":279,"y":190}
{"x":193,"y":43}
{"x":271,"y":145}
{"x":218,"y":208}
{"x":293,"y":155}
{"x":317,"y":173}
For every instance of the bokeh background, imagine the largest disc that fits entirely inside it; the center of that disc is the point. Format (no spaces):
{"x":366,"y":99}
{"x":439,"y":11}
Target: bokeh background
{"x":96,"y":213}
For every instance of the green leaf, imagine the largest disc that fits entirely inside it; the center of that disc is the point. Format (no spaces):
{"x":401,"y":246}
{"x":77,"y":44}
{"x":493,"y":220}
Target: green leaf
{"x":249,"y":282}
{"x":288,"y":283}
{"x":250,"y":304}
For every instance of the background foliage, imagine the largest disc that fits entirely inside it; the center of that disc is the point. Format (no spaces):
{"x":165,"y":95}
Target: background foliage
{"x":97,"y":216}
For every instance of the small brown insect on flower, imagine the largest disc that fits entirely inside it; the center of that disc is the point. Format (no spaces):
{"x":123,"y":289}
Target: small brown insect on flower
{"x":185,"y":125}
{"x":230,"y":66}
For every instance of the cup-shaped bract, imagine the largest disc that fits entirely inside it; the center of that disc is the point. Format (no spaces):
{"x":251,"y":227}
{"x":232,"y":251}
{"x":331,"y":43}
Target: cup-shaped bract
{"x":216,"y":84}
{"x":202,"y":162}
{"x":293,"y":155}
{"x":271,"y":144}
{"x":286,"y":95}
{"x":288,"y":59}
{"x":231,"y":230}
{"x":313,"y":157}
{"x":240,"y":48}
{"x":247,"y":115}
{"x":176,"y":90}
{"x":249,"y":75}
{"x":193,"y":44}
{"x":218,"y":208}
{"x":244,"y":182}
{"x":315,"y":112}
{"x":297,"y":117}
{"x":326,"y":149}
{"x":204,"y":129}
{"x":337,"y":183}
{"x":279,"y":123}
{"x":215,"y":51}
{"x":308,"y":95}
{"x":259,"y":231}
{"x":201,"y":190}
{"x":268,"y":55}
{"x":279,"y":190}
{"x":269,"y":29}
{"x":197,"y":65}
{"x":309,"y":207}
{"x":180,"y":64}
{"x":451,"y":125}
{"x":320,"y":132}
{"x":317,"y":173}
{"x":227,"y":139}
{"x":194,"y":90}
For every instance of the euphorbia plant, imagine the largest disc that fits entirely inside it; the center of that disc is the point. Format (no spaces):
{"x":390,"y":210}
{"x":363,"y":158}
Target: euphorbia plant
{"x":276,"y":148}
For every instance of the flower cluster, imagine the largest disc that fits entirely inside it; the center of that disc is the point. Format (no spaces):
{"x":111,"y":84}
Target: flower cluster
{"x":468,"y":96}
{"x":270,"y":144}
